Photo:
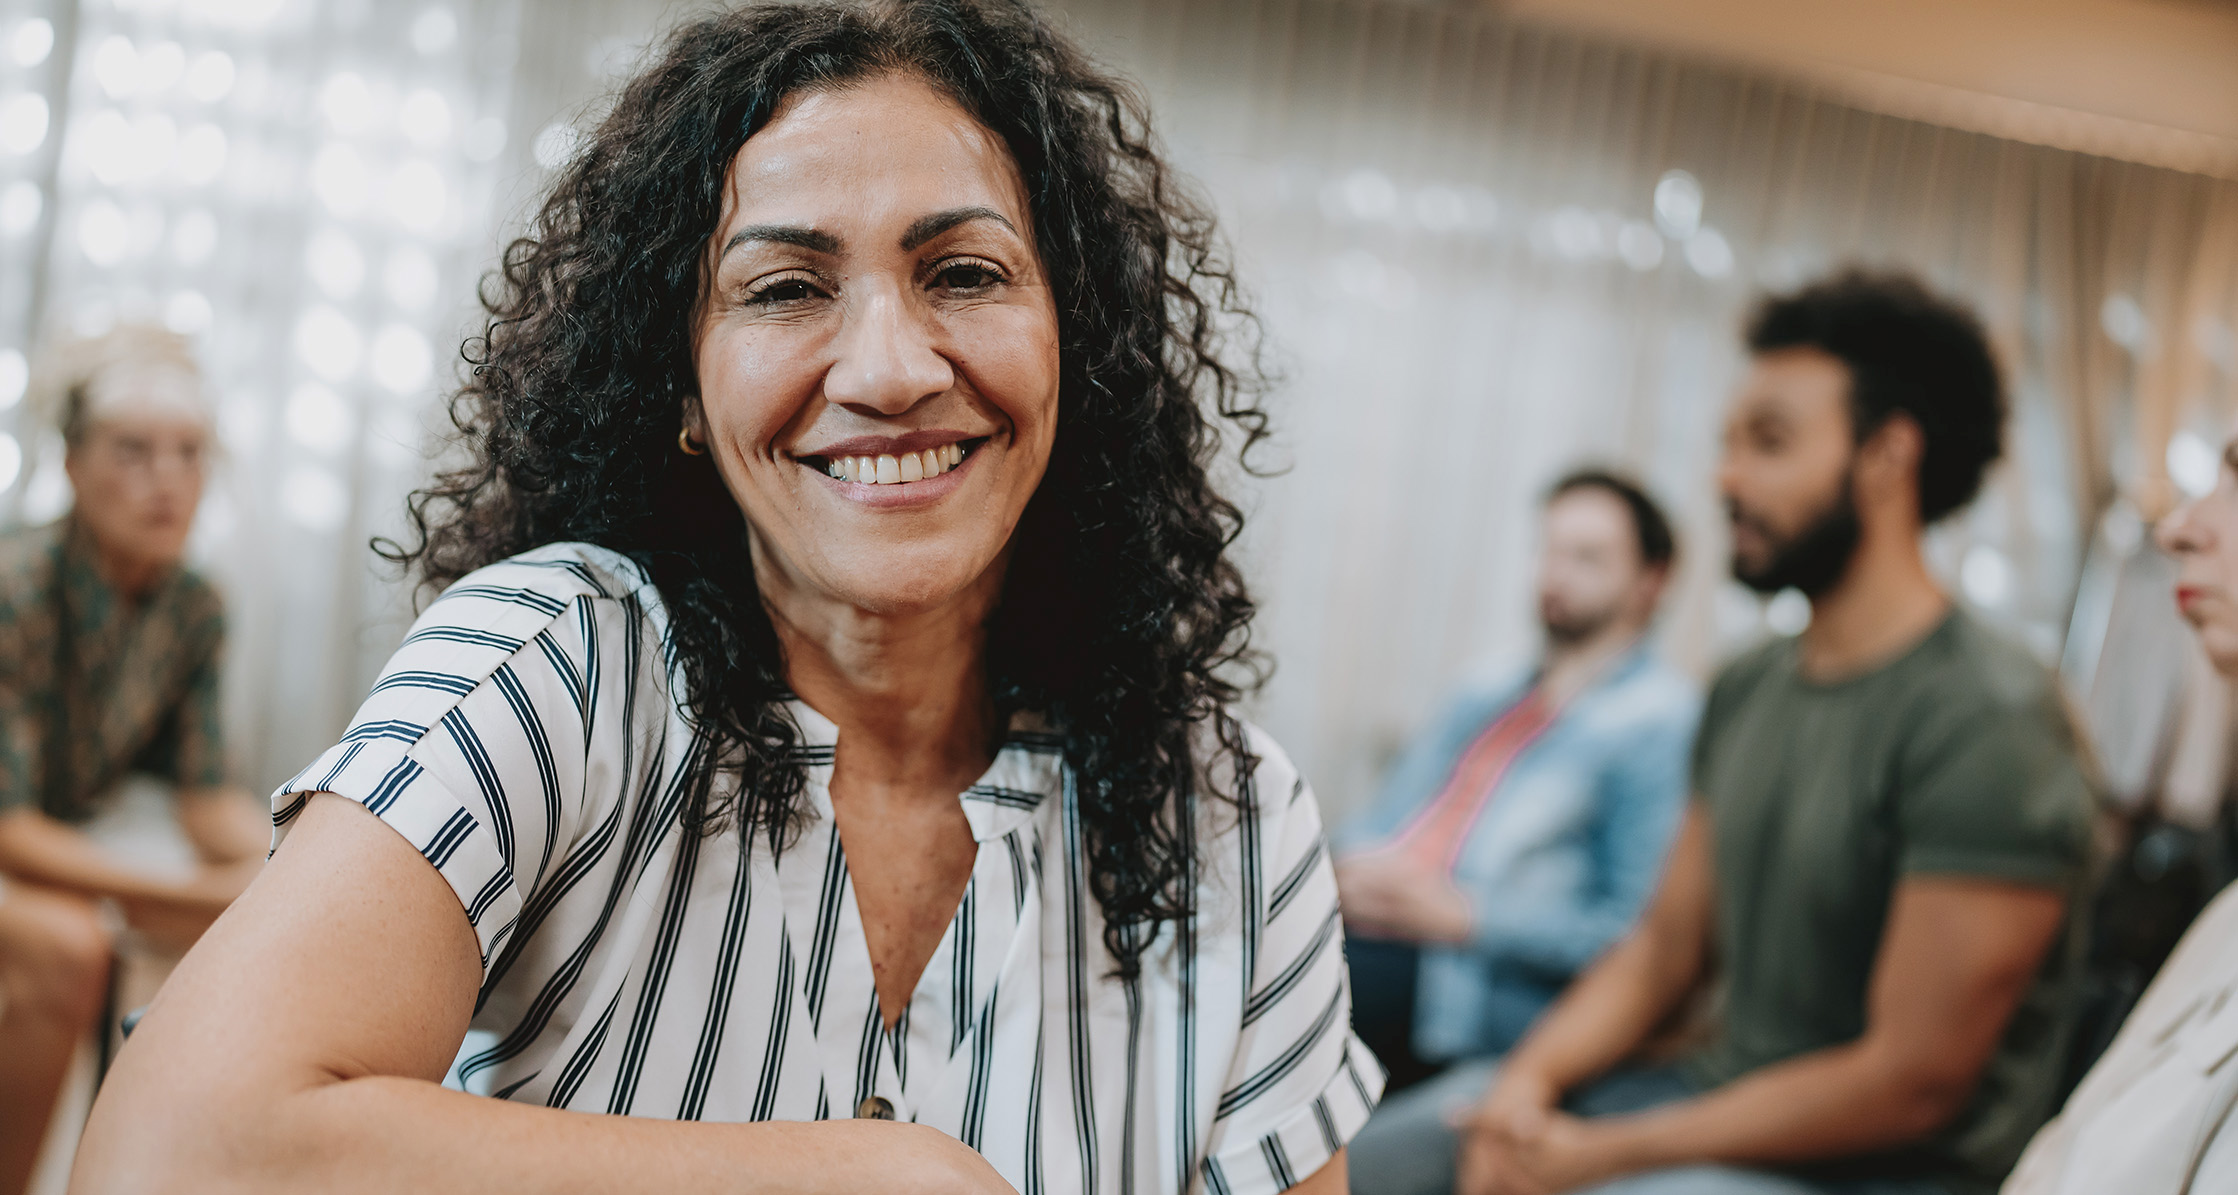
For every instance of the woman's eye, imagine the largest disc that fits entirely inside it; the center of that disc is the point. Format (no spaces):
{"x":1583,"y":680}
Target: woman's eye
{"x":966,"y":275}
{"x":783,"y":290}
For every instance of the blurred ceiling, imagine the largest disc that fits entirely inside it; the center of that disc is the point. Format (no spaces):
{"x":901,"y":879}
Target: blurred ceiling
{"x":2151,"y":80}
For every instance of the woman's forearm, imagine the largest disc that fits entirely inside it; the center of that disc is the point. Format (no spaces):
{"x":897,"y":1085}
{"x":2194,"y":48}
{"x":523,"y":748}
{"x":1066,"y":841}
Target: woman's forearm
{"x":384,"y":1134}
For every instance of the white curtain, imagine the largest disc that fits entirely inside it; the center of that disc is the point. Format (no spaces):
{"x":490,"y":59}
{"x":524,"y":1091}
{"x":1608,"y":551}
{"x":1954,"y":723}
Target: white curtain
{"x":307,"y":188}
{"x":1484,"y":253}
{"x":1491,"y":252}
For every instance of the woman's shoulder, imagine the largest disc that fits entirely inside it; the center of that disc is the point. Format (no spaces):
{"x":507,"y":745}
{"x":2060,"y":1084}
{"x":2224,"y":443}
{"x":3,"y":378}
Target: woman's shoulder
{"x":514,"y":598}
{"x":560,"y":603}
{"x":551,"y":577}
{"x":1268,"y":795}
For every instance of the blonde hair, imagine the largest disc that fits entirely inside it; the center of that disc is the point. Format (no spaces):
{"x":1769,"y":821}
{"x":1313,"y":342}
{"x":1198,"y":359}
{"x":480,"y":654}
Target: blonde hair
{"x":64,"y":388}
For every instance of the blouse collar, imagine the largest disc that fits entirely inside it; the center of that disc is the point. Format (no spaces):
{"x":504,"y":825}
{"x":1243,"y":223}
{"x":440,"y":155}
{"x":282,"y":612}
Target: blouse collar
{"x":1028,"y":769}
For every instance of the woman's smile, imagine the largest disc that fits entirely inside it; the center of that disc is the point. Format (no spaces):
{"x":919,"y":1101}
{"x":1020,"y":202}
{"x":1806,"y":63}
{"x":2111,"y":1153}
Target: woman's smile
{"x":891,"y":471}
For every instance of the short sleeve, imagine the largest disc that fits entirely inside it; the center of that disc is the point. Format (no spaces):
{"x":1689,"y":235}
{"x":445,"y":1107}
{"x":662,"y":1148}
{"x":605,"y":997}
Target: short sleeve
{"x":1996,"y":791}
{"x":1300,"y":1084}
{"x":492,"y":734}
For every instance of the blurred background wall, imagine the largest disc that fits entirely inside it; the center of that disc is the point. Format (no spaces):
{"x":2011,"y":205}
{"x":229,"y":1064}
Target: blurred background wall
{"x":1490,"y":241}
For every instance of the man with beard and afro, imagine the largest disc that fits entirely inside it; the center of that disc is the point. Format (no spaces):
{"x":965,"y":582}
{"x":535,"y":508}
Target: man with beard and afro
{"x":1890,"y":826}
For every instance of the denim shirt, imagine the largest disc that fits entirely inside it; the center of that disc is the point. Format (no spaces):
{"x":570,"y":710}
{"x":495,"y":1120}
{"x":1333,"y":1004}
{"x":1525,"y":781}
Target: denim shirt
{"x":1564,"y":855}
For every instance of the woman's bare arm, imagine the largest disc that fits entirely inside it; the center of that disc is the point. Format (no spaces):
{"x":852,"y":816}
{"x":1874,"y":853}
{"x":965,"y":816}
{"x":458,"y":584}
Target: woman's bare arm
{"x":1332,"y":1179}
{"x":301,"y":1046}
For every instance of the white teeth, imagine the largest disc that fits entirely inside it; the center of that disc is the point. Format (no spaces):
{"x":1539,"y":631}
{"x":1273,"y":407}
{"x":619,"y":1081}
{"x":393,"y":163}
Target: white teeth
{"x":897,"y":469}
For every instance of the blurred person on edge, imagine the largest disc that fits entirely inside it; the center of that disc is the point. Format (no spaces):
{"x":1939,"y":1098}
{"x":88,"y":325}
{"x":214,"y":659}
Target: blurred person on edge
{"x":109,"y":660}
{"x":1521,"y":836}
{"x":2155,"y":1114}
{"x":1891,"y":821}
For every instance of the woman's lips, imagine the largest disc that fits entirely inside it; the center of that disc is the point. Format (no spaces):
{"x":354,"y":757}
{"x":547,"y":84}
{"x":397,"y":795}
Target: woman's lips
{"x":908,"y":487}
{"x":2187,"y":596}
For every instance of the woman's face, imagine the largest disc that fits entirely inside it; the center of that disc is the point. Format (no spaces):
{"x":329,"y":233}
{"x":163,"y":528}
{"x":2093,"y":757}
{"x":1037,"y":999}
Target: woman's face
{"x":2203,"y":536}
{"x":877,"y":351}
{"x":139,"y":464}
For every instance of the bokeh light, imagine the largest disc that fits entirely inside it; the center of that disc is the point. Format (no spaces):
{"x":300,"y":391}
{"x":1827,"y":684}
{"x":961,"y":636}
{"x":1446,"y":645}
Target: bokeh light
{"x":318,"y":419}
{"x":31,"y":42}
{"x":425,"y":117}
{"x":21,"y":203}
{"x":15,"y":374}
{"x":401,"y":360}
{"x":434,"y":31}
{"x":417,"y":197}
{"x":210,"y":79}
{"x":410,"y":278}
{"x":335,"y":264}
{"x":23,"y":122}
{"x":194,"y":236}
{"x":329,"y":343}
{"x":104,"y":233}
{"x":339,"y":177}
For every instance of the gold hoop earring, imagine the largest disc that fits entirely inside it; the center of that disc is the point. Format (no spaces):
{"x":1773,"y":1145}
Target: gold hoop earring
{"x":684,"y":441}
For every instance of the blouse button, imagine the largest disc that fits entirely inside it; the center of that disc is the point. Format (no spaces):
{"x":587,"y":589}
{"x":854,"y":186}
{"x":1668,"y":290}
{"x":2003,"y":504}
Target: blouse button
{"x":874,"y":1107}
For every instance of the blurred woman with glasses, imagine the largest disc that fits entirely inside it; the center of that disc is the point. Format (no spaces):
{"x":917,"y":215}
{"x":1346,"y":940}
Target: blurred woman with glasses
{"x":109,"y":660}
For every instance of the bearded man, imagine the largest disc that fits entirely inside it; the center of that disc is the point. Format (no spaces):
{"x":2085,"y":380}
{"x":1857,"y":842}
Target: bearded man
{"x":1889,"y":828}
{"x":1519,"y":838}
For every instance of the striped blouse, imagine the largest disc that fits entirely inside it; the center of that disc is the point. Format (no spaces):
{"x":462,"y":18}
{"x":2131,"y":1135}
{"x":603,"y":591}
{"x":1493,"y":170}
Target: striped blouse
{"x":526,"y":738}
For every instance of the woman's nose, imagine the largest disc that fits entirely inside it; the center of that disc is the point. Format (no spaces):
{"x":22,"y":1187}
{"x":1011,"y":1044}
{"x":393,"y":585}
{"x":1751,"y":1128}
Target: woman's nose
{"x":2182,"y":531}
{"x":887,"y":361}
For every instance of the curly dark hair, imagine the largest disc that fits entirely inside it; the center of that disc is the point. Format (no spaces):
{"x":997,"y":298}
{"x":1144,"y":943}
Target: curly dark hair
{"x":1122,"y":620}
{"x":1909,"y":352}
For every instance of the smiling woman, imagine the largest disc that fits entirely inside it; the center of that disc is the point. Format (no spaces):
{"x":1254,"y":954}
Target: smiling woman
{"x":823,"y":731}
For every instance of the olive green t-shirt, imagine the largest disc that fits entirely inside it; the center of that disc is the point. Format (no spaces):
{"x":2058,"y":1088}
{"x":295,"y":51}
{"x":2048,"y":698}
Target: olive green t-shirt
{"x":1955,"y":759}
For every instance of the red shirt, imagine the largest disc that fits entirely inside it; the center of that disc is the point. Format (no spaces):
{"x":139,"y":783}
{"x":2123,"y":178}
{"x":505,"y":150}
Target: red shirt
{"x":1437,"y":832}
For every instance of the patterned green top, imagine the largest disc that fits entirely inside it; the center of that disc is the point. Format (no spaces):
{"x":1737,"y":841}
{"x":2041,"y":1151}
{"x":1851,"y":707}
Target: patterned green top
{"x":94,"y":684}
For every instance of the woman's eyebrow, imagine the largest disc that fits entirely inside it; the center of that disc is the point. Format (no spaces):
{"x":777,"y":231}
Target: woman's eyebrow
{"x":926,"y":228}
{"x":782,"y":234}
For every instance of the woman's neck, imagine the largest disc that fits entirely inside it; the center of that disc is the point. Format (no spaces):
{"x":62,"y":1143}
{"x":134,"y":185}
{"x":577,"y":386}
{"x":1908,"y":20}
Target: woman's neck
{"x":908,"y":692}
